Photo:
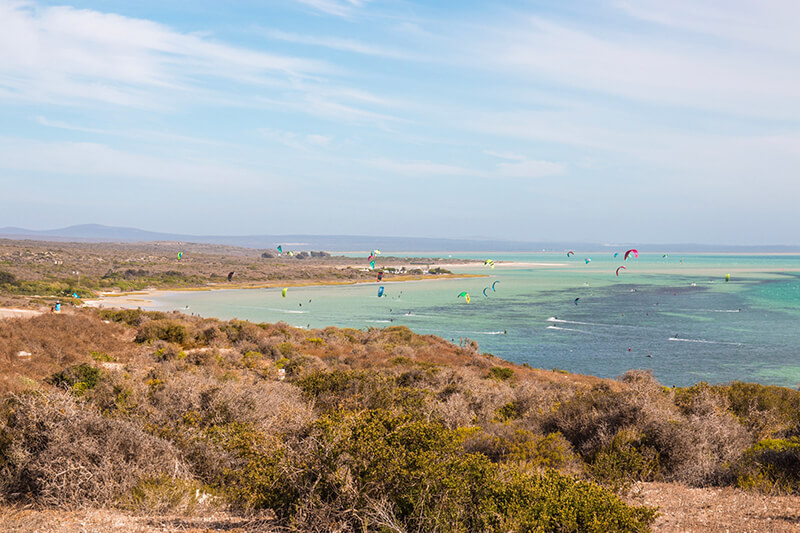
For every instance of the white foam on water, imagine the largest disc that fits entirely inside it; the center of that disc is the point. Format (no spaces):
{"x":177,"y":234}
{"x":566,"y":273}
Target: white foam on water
{"x":554,"y":319}
{"x":703,"y":341}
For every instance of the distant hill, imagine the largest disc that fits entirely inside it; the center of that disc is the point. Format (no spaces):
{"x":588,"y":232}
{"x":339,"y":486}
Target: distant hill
{"x":342,"y":243}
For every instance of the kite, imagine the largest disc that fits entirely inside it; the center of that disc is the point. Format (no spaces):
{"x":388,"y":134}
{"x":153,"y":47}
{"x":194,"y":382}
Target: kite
{"x":283,"y":292}
{"x":665,"y":256}
{"x":631,"y":251}
{"x":465,"y":295}
{"x":616,"y":254}
{"x":588,"y":260}
{"x":180,"y":255}
{"x":230,"y":275}
{"x":372,"y":265}
{"x":576,"y":301}
{"x":570,"y":253}
{"x":489,"y":263}
{"x":380,"y":276}
{"x":484,"y":291}
{"x":493,"y":284}
{"x":727,"y":277}
{"x":280,"y":249}
{"x":380,"y":291}
{"x":620,"y":268}
{"x":376,"y":252}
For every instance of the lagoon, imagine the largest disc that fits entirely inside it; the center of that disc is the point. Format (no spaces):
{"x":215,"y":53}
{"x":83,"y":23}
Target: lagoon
{"x":675,"y":315}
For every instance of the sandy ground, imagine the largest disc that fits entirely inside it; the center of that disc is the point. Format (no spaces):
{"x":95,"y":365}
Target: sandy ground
{"x":8,"y":312}
{"x":21,"y":520}
{"x":144,"y":298}
{"x":682,"y":509}
{"x":685,"y":509}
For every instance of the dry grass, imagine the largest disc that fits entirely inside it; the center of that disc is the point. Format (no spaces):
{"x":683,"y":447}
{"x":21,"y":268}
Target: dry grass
{"x":56,"y":341}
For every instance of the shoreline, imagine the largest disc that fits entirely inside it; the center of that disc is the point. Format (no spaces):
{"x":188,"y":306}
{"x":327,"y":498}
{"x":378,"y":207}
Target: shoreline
{"x":129,"y":297}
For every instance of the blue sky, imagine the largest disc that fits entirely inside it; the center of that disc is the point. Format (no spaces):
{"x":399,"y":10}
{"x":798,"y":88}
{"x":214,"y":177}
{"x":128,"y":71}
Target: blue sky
{"x":608,"y":121}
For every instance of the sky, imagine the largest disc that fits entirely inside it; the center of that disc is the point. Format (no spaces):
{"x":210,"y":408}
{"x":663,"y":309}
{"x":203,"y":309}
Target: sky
{"x":602,"y":121}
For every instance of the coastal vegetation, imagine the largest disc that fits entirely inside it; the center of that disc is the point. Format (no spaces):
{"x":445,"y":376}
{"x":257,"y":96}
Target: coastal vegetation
{"x":359,"y":430}
{"x":42,"y":272}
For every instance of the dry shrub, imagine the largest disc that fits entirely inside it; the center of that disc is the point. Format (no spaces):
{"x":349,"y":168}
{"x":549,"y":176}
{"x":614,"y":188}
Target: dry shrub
{"x":63,"y":452}
{"x":57,"y":341}
{"x":454,"y":411}
{"x":512,"y":443}
{"x":694,"y":446}
{"x":272,"y":407}
{"x":166,"y":330}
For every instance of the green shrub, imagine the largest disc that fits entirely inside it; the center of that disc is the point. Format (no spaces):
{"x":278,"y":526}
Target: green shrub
{"x":771,"y":465}
{"x":165,"y":330}
{"x":286,"y":348}
{"x":131,"y":317}
{"x":7,"y":278}
{"x":258,"y":480}
{"x":399,"y":333}
{"x":78,"y":378}
{"x":554,"y":502}
{"x":102,"y":357}
{"x":509,"y":411}
{"x":501,"y":373}
{"x":426,"y":481}
{"x":628,"y":457}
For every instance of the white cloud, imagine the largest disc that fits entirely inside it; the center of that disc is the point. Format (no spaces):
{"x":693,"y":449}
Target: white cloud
{"x":338,"y":43}
{"x":67,"y":55}
{"x":81,"y":159}
{"x":339,"y":8}
{"x":419,"y":168}
{"x":648,"y":67}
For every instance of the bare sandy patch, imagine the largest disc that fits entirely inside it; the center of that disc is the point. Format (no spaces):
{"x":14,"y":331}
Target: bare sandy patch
{"x":10,"y":312}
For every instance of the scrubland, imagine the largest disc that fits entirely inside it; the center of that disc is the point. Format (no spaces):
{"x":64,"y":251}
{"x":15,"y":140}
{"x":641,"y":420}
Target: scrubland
{"x":172,"y":422}
{"x":33,"y":272}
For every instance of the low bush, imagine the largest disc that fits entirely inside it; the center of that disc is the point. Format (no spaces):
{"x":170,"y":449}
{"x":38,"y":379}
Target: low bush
{"x":373,"y":468}
{"x":627,"y":458}
{"x":162,"y":329}
{"x":78,"y":378}
{"x":771,"y":466}
{"x":62,"y":452}
{"x":501,"y":373}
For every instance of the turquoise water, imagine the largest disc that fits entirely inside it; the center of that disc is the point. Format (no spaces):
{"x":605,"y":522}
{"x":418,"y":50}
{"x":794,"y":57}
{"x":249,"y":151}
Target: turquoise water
{"x":677,"y":315}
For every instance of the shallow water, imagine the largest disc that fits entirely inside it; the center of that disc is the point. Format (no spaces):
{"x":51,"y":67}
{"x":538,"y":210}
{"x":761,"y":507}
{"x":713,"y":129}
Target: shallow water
{"x":651,"y":316}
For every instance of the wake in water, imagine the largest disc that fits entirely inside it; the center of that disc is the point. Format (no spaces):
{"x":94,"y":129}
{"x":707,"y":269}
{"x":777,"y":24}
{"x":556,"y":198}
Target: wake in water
{"x":703,"y":341}
{"x":571,"y":329}
{"x":554,"y":319}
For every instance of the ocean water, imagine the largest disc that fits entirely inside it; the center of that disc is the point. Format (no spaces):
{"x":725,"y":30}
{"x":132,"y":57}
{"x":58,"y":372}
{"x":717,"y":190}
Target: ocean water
{"x":676,"y":315}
